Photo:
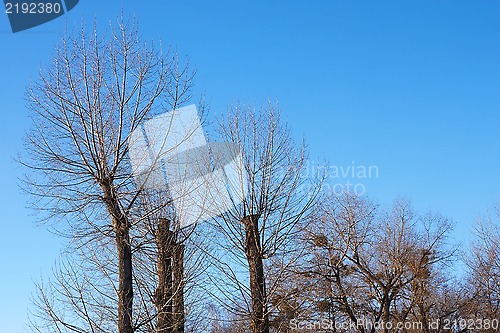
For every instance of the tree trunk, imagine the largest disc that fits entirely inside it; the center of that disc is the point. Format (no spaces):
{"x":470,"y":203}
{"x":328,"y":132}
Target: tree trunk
{"x":125,"y":287}
{"x":253,"y":251}
{"x":121,"y":228}
{"x":386,"y":306}
{"x":163,"y":294}
{"x":178,"y":268}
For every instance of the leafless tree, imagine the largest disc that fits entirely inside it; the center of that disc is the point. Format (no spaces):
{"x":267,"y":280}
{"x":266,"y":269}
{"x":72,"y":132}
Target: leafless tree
{"x":96,"y":91}
{"x":483,"y":277}
{"x":265,"y":225}
{"x":374,"y":266}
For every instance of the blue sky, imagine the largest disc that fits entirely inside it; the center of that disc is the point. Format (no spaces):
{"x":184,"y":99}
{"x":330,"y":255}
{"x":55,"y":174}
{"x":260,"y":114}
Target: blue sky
{"x":411,"y":87}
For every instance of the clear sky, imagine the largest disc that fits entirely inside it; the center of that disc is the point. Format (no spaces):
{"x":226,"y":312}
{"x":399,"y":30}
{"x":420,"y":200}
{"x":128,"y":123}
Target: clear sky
{"x":409,"y":87}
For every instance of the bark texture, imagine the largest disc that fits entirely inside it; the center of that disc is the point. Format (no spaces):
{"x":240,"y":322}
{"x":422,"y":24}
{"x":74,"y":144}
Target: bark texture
{"x":179,"y":284}
{"x":169,"y":296}
{"x":122,"y":237}
{"x":253,"y":251}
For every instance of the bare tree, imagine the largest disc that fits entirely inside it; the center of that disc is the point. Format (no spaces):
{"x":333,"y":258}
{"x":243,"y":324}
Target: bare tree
{"x":81,"y":297}
{"x":376,"y":267}
{"x":483,"y":277}
{"x":266,"y":223}
{"x":96,"y":91}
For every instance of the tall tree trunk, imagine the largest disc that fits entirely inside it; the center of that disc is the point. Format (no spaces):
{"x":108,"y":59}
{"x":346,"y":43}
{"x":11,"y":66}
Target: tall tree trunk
{"x":253,"y":251}
{"x":121,"y":228}
{"x":178,"y":268}
{"x":163,"y":294}
{"x":386,"y":307}
{"x":125,"y":287}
